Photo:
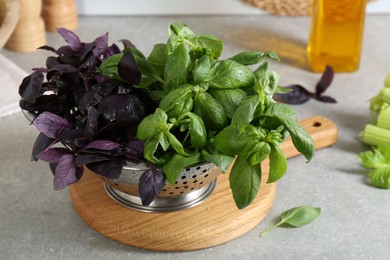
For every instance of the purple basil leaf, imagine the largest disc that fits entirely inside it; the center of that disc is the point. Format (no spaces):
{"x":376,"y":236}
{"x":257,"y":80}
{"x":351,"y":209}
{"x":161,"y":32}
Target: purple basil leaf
{"x":31,"y":86}
{"x":41,"y":143}
{"x":150,"y":184}
{"x":53,"y":167}
{"x":53,"y":155}
{"x":91,"y":126}
{"x":128,"y":69}
{"x":127,"y":43}
{"x":87,"y":158}
{"x":71,"y":38}
{"x":299,"y":95}
{"x":81,"y":142}
{"x":110,"y":169}
{"x":66,"y":172}
{"x":100,"y":45}
{"x":89,"y":99}
{"x":106,"y":87}
{"x":325,"y":80}
{"x":104,"y":145}
{"x":52,"y":62}
{"x":48,"y":48}
{"x":121,"y":107}
{"x":113,"y":49}
{"x":326,"y":99}
{"x":134,"y":150}
{"x":49,"y":103}
{"x":51,"y":124}
{"x":70,"y":137}
{"x":65,"y":68}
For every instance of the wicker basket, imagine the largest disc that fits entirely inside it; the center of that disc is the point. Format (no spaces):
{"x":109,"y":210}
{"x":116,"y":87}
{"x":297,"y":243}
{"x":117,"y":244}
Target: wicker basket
{"x":284,"y":7}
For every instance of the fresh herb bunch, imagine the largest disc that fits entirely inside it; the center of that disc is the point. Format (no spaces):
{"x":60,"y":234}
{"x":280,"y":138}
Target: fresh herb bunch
{"x":188,"y":107}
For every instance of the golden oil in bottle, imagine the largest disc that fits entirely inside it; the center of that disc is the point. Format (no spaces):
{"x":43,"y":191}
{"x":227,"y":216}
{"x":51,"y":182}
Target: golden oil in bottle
{"x":336,"y":34}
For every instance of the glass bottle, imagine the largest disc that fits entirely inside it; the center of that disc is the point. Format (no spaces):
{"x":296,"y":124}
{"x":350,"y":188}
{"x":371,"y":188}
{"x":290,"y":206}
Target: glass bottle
{"x":336,"y":34}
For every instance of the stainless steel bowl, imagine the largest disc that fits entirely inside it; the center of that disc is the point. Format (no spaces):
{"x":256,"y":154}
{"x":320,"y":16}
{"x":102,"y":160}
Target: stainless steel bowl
{"x":193,"y":185}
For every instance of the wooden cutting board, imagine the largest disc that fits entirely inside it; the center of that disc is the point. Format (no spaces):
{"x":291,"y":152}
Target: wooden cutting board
{"x":215,"y":221}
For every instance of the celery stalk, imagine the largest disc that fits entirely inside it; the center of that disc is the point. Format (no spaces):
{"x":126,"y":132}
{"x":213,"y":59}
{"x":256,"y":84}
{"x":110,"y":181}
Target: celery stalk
{"x":387,"y":81}
{"x":374,"y":135}
{"x":384,"y":118}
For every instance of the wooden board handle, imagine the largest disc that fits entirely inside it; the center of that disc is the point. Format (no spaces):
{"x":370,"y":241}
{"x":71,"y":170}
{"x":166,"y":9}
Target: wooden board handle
{"x":322,"y":130}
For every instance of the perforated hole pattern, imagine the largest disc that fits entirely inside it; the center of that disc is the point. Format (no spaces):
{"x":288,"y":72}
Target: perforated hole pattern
{"x":190,"y":179}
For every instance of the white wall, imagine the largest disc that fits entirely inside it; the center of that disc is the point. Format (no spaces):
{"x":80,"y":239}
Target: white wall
{"x":165,"y":7}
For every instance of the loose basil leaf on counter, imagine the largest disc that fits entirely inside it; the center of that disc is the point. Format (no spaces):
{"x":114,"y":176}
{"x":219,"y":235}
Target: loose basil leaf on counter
{"x":296,"y":217}
{"x":244,"y":181}
{"x":300,"y":94}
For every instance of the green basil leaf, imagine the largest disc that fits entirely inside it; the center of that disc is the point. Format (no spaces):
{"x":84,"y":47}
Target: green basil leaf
{"x":159,"y":57}
{"x":244,"y":181}
{"x":253,"y":57}
{"x":230,"y":74}
{"x":245,"y":112}
{"x":210,"y":110}
{"x":221,"y":161}
{"x":380,"y":177}
{"x":109,"y":67}
{"x":210,"y":43}
{"x":300,"y":137}
{"x":282,"y":110}
{"x":202,"y":69}
{"x":176,"y":165}
{"x":181,"y":30}
{"x":176,"y":69}
{"x":152,"y":125}
{"x":229,"y":98}
{"x":198,"y":133}
{"x":232,"y":141}
{"x":277,"y":164}
{"x":259,"y":153}
{"x":176,"y":145}
{"x":148,"y":71}
{"x":177,"y":102}
{"x":296,"y":217}
{"x":150,"y":149}
{"x":300,"y":216}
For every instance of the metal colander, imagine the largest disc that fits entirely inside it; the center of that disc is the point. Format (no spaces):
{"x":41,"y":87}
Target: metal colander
{"x":193,"y":185}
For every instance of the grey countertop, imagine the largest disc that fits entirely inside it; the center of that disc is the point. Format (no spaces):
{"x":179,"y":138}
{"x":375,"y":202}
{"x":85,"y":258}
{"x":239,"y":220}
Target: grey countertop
{"x":39,"y":223}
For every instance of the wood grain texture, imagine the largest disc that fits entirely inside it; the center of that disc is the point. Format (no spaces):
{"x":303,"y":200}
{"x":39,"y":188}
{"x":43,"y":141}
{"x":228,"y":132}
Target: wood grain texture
{"x":29,"y":33}
{"x":59,"y":13}
{"x":215,"y":221}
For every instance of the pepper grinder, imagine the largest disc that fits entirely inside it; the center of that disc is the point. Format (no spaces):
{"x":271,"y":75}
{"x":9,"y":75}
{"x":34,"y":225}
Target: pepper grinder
{"x":29,"y":33}
{"x":59,"y":13}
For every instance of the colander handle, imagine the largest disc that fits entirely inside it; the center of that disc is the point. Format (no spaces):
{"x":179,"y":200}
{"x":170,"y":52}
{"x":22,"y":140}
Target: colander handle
{"x":323,"y":131}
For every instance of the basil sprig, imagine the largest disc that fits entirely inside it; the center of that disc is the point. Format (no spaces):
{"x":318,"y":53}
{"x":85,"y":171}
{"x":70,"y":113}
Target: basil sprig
{"x":213,"y":110}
